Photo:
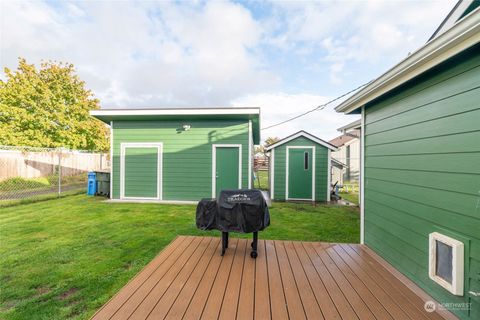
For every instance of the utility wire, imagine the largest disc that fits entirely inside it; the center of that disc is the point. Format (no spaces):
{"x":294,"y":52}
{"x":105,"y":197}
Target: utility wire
{"x":318,"y":108}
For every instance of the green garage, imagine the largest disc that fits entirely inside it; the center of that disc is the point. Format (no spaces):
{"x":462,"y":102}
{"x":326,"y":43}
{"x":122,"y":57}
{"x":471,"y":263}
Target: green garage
{"x":180,"y":154}
{"x":299,"y":168}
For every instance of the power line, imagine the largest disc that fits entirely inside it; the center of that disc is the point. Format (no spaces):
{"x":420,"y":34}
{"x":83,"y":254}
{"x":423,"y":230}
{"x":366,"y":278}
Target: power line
{"x":320,"y":107}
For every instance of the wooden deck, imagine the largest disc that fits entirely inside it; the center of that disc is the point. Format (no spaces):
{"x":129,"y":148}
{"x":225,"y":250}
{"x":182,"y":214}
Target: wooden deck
{"x":289,"y":280}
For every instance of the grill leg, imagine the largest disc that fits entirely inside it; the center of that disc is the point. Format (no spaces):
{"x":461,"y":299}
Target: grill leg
{"x":224,"y":242}
{"x":254,"y":253}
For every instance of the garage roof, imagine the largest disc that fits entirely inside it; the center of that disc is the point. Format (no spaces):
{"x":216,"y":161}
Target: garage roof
{"x":302,"y":134}
{"x":108,"y":115}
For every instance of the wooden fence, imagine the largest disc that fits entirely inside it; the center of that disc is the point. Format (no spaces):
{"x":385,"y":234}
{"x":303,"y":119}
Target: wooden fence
{"x":35,"y":163}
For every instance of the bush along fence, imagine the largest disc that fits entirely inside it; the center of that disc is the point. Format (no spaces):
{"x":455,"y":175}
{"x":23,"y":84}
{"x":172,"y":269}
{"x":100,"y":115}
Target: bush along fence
{"x":28,"y":172}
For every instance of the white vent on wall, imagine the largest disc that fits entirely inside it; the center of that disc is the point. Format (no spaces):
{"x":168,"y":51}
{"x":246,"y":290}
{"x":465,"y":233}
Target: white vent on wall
{"x":445,"y":265}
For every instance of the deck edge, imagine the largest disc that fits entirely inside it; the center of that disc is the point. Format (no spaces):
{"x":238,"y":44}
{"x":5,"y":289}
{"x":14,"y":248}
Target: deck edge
{"x":422,"y":294}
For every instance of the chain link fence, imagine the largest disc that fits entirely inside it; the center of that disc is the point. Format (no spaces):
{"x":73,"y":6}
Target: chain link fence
{"x":29,"y":173}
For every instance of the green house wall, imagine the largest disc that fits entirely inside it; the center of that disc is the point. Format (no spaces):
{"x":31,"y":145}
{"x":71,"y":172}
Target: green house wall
{"x":422,"y":173}
{"x":187,"y":155}
{"x":321,"y":168}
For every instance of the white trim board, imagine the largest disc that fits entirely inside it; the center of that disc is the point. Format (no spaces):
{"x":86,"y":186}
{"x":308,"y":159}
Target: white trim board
{"x":272,"y":174}
{"x":152,"y":201}
{"x":159,"y":146}
{"x":250,"y":149}
{"x":173,"y":111}
{"x":287,"y":174}
{"x":329,"y":174}
{"x":214,"y":165}
{"x":362,"y":178}
{"x":305,"y":135}
{"x":463,"y":35}
{"x":111,"y":160}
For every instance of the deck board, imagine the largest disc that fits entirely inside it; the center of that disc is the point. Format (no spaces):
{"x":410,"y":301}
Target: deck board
{"x":289,"y":280}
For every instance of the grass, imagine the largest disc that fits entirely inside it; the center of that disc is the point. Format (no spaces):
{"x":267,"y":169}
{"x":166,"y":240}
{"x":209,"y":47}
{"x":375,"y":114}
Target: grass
{"x":17,"y":183}
{"x":350,"y":197}
{"x":261,"y":182}
{"x":64,"y":258}
{"x":41,"y":197}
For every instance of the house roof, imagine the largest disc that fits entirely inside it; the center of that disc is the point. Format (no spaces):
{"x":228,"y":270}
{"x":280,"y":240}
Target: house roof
{"x":464,"y":34}
{"x":304,"y":134}
{"x":344,"y":138}
{"x":461,"y":8}
{"x":108,"y":115}
{"x":357,"y":124}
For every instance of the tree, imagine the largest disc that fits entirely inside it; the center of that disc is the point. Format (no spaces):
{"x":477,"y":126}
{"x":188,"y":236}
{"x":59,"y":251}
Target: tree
{"x":267,"y":142}
{"x":49,"y":107}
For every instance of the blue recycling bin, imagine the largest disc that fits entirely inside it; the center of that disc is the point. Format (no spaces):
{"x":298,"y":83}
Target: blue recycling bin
{"x":92,"y":184}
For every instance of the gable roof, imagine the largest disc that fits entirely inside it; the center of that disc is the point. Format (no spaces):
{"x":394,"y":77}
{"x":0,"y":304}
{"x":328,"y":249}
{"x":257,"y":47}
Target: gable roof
{"x":107,"y":115}
{"x":355,"y":125}
{"x":344,"y":138}
{"x":462,"y":35}
{"x":304,"y":134}
{"x":461,"y":8}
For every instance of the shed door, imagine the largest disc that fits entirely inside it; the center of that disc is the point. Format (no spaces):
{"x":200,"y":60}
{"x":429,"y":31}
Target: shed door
{"x":300,"y":172}
{"x":141,"y":172}
{"x":227,"y":168}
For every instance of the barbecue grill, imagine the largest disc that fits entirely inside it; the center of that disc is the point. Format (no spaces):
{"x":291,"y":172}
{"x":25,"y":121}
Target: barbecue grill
{"x":243,"y":211}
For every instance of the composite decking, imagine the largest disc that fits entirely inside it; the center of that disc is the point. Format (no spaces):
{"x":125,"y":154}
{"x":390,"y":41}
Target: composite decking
{"x":289,"y":280}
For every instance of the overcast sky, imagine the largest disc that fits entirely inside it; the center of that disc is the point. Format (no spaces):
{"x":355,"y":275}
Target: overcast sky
{"x":284,"y":57}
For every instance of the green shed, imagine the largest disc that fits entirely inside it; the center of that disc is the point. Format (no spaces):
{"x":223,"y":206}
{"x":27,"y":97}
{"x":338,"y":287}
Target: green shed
{"x":180,"y":154}
{"x":300,"y":168}
{"x":420,"y":200}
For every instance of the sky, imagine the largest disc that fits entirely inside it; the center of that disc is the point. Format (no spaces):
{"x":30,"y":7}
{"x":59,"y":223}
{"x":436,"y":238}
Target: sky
{"x":283,"y":56}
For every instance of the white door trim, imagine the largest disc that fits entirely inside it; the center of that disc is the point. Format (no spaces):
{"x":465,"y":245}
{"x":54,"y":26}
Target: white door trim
{"x":250,"y":150}
{"x":362,"y":178}
{"x":329,"y":174}
{"x":214,"y":165}
{"x":313,"y":172}
{"x":159,"y":146}
{"x":272,"y":174}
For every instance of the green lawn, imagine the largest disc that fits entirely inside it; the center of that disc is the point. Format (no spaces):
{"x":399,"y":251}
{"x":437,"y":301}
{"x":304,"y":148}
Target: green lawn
{"x":261,"y":182}
{"x":350,"y":197}
{"x":64,"y":258}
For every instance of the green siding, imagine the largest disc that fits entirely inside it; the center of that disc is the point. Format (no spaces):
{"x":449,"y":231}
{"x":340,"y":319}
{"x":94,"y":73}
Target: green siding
{"x":187,"y":155}
{"x":422,"y":173}
{"x":321,"y":168}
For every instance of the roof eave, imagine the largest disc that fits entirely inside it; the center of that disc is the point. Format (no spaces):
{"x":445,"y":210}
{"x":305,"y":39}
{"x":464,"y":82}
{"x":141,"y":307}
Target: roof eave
{"x":463,"y":35}
{"x":299,"y":134}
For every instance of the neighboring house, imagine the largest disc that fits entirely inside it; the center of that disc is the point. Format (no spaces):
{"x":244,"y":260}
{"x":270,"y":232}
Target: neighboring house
{"x":299,"y":168}
{"x":337,"y":173}
{"x":348,"y":153}
{"x":180,"y":154}
{"x":421,"y":169}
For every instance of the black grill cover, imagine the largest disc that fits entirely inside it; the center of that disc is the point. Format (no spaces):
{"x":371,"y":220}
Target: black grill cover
{"x":207,"y":214}
{"x":243,"y":210}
